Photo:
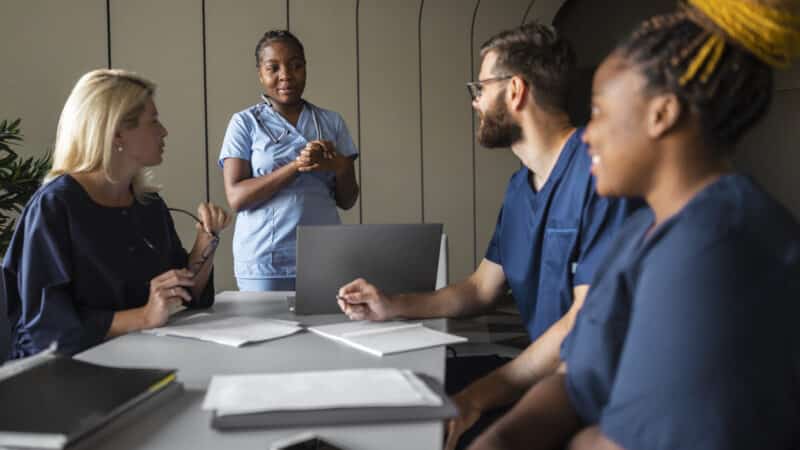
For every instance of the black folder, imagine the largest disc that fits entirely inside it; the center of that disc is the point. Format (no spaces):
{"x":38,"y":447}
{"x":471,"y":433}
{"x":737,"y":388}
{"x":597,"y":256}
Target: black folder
{"x":342,"y":416}
{"x":61,"y":400}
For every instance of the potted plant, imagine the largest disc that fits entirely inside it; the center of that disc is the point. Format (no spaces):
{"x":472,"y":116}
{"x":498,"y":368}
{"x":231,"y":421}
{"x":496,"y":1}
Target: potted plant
{"x":19,"y":179}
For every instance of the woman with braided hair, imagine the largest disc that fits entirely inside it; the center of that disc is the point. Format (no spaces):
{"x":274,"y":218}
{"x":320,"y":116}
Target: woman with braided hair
{"x":286,"y":162}
{"x":688,"y":336}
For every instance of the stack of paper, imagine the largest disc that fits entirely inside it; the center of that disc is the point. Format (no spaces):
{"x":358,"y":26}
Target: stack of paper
{"x":244,"y":394}
{"x":383,"y":338}
{"x":234,"y":331}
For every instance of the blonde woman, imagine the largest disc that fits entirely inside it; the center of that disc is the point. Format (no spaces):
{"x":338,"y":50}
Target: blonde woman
{"x":95,"y":253}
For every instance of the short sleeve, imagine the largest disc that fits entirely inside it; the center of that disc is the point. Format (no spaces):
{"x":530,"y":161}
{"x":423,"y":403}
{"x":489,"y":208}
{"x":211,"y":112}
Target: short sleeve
{"x":709,"y":359}
{"x":493,"y":251}
{"x":238,"y":140}
{"x":344,"y":142}
{"x":39,"y":263}
{"x":602,"y":218}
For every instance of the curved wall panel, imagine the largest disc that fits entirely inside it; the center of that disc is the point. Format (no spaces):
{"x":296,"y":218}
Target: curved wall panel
{"x":164,"y":42}
{"x":391,"y":177}
{"x":493,"y":167}
{"x":46,"y":47}
{"x":232,"y":31}
{"x":447,"y":126}
{"x":328,"y":32}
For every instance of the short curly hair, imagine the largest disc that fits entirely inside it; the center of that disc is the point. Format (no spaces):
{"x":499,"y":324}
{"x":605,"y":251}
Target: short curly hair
{"x":539,"y":55}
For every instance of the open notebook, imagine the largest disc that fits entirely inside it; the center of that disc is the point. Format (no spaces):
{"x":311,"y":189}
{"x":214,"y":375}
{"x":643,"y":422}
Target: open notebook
{"x":384,"y":338}
{"x":227,"y":330}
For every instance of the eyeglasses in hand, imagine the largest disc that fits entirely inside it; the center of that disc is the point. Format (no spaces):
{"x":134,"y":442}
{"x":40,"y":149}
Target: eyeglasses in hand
{"x":208,"y":251}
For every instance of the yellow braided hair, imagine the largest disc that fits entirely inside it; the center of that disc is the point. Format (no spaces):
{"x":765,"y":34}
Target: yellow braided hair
{"x":768,"y":30}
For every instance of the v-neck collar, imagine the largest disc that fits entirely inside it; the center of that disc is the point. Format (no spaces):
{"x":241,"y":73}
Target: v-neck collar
{"x":564,"y":158}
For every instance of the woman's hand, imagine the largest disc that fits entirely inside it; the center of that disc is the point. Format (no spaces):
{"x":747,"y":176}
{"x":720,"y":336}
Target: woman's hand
{"x":320,"y":156}
{"x":213,"y":218}
{"x":166,"y":290}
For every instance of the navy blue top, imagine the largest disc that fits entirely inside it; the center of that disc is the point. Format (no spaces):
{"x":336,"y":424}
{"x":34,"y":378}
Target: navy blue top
{"x":72,"y":263}
{"x":550,"y":241}
{"x":688,"y":339}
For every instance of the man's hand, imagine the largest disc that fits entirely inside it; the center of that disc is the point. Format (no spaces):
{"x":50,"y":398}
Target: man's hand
{"x":363,"y":301}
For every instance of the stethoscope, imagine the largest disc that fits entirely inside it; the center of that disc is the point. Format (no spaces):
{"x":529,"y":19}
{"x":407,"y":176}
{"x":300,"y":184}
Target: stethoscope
{"x":268,"y":102}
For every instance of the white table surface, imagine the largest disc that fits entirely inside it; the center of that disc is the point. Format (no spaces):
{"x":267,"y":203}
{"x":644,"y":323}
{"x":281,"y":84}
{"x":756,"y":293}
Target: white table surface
{"x":181,"y":423}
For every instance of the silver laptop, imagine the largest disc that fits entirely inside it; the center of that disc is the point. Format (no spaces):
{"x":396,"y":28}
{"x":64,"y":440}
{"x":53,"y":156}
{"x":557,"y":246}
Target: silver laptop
{"x":395,"y":258}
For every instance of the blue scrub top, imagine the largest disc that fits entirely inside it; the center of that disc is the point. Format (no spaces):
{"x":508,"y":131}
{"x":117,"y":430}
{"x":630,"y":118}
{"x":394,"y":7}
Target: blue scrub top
{"x":72,"y":264}
{"x":550,"y":241}
{"x":688,"y":338}
{"x":264,"y":237}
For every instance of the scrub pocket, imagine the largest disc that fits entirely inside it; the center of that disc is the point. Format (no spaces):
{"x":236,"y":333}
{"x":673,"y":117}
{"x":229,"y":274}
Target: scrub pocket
{"x":558,"y":251}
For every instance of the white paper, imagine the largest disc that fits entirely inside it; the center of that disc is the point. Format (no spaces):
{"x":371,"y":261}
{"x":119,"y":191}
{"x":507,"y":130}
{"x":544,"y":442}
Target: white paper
{"x":252,"y":296}
{"x":234,"y":331}
{"x":384,"y":338}
{"x":243,"y":394}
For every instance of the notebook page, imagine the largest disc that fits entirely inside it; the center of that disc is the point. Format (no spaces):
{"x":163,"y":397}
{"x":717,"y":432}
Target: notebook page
{"x":234,"y":331}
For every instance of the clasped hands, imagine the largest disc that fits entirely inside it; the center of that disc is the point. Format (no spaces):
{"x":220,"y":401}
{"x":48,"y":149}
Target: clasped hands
{"x":320,"y":156}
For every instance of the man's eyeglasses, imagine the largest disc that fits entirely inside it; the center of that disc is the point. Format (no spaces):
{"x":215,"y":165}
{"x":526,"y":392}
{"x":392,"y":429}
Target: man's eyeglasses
{"x":475,"y":88}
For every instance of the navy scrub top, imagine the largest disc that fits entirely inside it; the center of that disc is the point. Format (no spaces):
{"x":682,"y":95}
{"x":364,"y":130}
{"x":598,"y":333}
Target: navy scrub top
{"x":550,"y":241}
{"x":689,"y":338}
{"x":72,"y":263}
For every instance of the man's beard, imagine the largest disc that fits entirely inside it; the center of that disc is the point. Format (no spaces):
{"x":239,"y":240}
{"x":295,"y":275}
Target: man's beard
{"x":497,"y":129}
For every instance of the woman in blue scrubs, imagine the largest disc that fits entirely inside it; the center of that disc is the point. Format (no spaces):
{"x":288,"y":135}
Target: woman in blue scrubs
{"x":95,"y":253}
{"x":286,"y":162}
{"x":688,"y":337}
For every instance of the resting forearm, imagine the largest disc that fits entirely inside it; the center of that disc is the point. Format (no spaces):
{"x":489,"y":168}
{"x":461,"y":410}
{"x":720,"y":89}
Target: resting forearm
{"x":346,"y":186}
{"x":541,"y":359}
{"x":508,"y":383}
{"x":542,"y":419}
{"x":126,"y":321}
{"x":460,"y":299}
{"x":492,"y":391}
{"x":249,"y":192}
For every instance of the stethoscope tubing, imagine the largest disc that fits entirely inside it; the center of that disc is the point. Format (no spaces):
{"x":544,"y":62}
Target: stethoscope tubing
{"x":269,"y":133}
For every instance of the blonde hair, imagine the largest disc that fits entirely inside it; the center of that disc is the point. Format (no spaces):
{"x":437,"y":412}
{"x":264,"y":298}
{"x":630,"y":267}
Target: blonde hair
{"x":102,"y":102}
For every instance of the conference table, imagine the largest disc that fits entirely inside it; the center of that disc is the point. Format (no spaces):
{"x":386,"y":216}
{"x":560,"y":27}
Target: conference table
{"x":181,"y":423}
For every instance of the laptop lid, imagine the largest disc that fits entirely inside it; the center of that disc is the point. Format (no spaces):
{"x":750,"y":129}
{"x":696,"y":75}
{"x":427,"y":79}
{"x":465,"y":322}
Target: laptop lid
{"x":396,"y":258}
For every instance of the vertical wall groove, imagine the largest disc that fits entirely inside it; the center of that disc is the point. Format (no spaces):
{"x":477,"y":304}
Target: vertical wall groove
{"x":527,"y":11}
{"x":421,"y":122}
{"x":358,"y":113}
{"x":108,"y":31}
{"x":287,"y":16}
{"x":205,"y":99}
{"x":474,"y":168}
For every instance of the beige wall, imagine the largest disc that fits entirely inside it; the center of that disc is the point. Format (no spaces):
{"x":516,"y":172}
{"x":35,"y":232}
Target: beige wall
{"x":394,"y":69}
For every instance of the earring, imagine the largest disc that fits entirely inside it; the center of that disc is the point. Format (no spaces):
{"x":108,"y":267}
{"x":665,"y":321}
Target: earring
{"x":119,"y":149}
